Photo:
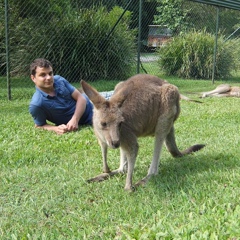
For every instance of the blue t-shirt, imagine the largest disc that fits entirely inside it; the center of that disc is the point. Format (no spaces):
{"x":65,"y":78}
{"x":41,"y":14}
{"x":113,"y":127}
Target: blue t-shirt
{"x":60,"y":108}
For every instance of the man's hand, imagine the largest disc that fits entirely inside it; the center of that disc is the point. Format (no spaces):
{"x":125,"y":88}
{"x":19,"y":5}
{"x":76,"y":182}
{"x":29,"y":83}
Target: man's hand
{"x":61,"y":129}
{"x":72,"y":125}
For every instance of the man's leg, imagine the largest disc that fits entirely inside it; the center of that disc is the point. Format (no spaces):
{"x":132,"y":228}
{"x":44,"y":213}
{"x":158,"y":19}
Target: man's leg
{"x":107,"y":95}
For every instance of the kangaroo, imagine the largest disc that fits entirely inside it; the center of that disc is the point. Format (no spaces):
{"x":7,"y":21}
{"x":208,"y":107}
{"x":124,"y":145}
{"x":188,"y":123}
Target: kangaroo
{"x":223,"y":90}
{"x":141,"y":106}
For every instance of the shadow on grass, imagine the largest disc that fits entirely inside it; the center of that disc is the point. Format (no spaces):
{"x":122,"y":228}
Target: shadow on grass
{"x":178,"y":173}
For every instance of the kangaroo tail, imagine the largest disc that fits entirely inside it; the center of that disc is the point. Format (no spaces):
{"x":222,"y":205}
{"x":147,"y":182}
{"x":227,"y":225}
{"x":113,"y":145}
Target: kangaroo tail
{"x":182,"y":97}
{"x":192,"y":149}
{"x":173,"y":149}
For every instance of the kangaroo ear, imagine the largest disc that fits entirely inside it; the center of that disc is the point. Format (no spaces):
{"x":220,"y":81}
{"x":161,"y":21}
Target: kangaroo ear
{"x":93,"y":94}
{"x":121,"y":91}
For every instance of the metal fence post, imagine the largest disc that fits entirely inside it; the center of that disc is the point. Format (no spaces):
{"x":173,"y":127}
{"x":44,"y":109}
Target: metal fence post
{"x":139,"y":35}
{"x":7,"y":50}
{"x":215,"y":46}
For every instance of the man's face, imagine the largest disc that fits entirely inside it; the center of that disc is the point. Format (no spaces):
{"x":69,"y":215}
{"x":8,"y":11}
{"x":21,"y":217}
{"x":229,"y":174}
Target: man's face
{"x":43,"y":78}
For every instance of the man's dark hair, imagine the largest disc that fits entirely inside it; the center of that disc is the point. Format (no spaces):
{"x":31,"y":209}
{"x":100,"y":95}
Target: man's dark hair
{"x":39,"y":62}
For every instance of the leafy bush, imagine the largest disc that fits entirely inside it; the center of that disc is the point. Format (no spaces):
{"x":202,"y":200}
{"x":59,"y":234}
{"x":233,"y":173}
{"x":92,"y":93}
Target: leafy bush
{"x":77,"y":43}
{"x":190,"y":55}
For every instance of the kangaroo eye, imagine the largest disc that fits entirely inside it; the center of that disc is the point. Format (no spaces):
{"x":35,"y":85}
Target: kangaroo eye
{"x":103,"y":124}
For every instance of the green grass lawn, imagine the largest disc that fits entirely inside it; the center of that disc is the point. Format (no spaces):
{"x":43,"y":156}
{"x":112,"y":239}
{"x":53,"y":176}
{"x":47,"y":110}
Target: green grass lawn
{"x":44,"y":194}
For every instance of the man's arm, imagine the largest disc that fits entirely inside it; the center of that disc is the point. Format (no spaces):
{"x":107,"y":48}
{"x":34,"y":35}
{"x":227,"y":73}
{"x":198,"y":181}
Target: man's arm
{"x":39,"y":117}
{"x":79,"y":111}
{"x":57,"y":129}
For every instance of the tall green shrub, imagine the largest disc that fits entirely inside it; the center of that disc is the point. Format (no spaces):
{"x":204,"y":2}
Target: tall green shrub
{"x":77,"y":43}
{"x":190,"y":55}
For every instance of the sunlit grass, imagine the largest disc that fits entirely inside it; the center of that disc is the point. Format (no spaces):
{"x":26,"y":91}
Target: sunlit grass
{"x":44,"y":194}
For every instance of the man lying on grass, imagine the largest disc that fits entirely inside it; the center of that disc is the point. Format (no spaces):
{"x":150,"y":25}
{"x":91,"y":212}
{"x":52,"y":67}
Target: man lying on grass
{"x":57,"y":101}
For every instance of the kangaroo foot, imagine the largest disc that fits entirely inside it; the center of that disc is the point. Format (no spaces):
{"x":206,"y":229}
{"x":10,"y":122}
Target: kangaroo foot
{"x":99,"y":178}
{"x":142,"y":182}
{"x":104,"y":176}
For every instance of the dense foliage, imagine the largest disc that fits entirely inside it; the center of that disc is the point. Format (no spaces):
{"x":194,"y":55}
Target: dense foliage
{"x":183,"y":15}
{"x":76,"y":35}
{"x":172,"y":15}
{"x":76,"y":41}
{"x":190,"y":55}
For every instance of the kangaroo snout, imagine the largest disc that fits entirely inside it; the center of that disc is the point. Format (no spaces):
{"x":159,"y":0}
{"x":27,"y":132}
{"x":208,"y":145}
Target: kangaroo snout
{"x":114,"y":144}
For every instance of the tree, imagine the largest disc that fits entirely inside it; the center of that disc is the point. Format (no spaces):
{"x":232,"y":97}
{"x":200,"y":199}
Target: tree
{"x":185,"y":15}
{"x":172,"y":14}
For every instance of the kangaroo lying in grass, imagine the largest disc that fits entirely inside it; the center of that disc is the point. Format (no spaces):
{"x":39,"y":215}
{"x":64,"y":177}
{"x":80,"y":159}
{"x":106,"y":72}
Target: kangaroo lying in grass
{"x":223,"y":90}
{"x":141,"y":106}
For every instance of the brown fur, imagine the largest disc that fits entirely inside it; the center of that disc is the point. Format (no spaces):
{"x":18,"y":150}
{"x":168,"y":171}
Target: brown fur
{"x":141,"y":106}
{"x":223,"y":90}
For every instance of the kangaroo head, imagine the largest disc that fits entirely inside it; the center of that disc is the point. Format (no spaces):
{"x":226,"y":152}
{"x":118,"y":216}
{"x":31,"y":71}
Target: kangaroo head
{"x":107,"y":117}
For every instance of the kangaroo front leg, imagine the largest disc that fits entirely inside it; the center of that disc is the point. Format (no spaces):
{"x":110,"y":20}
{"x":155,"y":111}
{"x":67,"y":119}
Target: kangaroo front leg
{"x":104,"y":148}
{"x":129,"y":149}
{"x":131,"y":163}
{"x":106,"y":171}
{"x":123,"y":163}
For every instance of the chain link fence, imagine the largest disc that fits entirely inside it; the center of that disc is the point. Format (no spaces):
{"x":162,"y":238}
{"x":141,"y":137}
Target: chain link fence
{"x":102,"y":40}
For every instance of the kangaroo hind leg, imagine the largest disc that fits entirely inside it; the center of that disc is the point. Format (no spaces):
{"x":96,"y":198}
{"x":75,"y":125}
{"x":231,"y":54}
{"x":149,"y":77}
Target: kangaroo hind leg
{"x":158,"y":143}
